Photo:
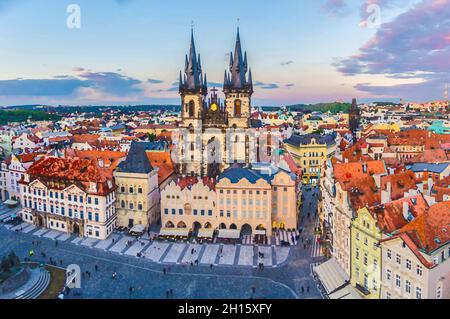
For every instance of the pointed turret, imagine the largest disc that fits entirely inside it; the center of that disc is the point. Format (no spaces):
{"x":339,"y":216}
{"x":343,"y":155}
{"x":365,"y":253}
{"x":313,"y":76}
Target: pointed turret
{"x":193,"y":82}
{"x":238,"y":70}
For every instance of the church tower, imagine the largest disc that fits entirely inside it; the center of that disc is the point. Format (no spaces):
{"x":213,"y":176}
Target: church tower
{"x":238,"y":88}
{"x":193,"y":89}
{"x":193,"y":92}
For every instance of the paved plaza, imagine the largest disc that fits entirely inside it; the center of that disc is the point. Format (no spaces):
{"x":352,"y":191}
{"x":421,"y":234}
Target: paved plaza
{"x":170,"y":253}
{"x":191,"y":270}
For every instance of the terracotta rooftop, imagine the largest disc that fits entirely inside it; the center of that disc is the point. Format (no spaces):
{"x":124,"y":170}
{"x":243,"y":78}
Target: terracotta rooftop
{"x":390,"y":216}
{"x":63,"y":172}
{"x":401,"y":183}
{"x":348,"y":171}
{"x":429,"y":231}
{"x":163,"y":161}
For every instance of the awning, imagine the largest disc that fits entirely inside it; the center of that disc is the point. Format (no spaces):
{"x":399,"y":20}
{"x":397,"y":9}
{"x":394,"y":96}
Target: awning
{"x":182,"y":232}
{"x":348,"y":292}
{"x":229,"y":233}
{"x":331,"y":275}
{"x":137,"y":229}
{"x":205,"y":233}
{"x":260,"y":232}
{"x":11,"y":202}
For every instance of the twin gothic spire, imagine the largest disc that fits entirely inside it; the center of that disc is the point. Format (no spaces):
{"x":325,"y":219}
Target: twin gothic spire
{"x":236,"y":80}
{"x":193,"y":80}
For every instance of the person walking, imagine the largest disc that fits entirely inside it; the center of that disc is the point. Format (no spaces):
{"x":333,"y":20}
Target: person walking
{"x":96,"y":268}
{"x":114,"y":275}
{"x":164,"y":271}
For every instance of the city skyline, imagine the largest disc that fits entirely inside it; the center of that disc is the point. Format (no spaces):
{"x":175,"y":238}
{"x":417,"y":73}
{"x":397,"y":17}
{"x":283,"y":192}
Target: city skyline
{"x":130,"y":52}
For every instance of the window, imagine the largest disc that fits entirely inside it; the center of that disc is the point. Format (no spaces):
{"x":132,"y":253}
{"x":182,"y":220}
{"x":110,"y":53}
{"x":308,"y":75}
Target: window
{"x":357,"y":254}
{"x":89,"y":200}
{"x":97,"y":217}
{"x":131,"y":190}
{"x":408,"y":287}
{"x":180,"y":211}
{"x":140,"y":206}
{"x":389,"y":254}
{"x":166,"y":211}
{"x":174,"y":212}
{"x":366,"y":259}
{"x":96,"y":201}
{"x":388,"y":275}
{"x":399,"y":259}
{"x":209,"y":212}
{"x":131,"y":206}
{"x":202,"y":212}
{"x":398,"y":281}
{"x":122,"y":204}
{"x":419,"y":270}
{"x":408,"y":264}
{"x":140,"y":190}
{"x":89,"y":215}
{"x":418,"y":293}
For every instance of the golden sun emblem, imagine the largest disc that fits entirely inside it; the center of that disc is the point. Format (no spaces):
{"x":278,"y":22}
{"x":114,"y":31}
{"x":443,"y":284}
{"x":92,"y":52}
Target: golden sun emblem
{"x":214,"y":107}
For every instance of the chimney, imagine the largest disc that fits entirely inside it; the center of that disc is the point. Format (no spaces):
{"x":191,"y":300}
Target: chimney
{"x":386,"y":196}
{"x":377,"y":179}
{"x":430,"y":185}
{"x":406,"y":211}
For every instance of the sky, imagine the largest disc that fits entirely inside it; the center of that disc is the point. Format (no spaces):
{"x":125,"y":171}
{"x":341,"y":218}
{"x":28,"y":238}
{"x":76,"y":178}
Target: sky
{"x":300,"y":51}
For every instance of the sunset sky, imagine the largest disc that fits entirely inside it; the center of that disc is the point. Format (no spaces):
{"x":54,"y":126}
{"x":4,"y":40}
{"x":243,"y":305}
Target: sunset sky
{"x":300,"y":51}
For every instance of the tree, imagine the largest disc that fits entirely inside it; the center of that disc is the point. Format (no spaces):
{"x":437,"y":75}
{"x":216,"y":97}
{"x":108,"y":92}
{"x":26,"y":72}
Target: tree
{"x":151,"y":137}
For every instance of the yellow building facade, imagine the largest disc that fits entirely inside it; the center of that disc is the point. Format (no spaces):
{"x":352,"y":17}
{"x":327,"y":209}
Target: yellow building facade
{"x":366,"y":255}
{"x":311,"y":152}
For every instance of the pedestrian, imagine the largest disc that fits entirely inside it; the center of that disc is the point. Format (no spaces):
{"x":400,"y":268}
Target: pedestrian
{"x":167,"y":294}
{"x":130,"y":289}
{"x":211,"y":266}
{"x":164,"y":271}
{"x":171,"y":292}
{"x":303,"y":289}
{"x":114,"y":275}
{"x":307,"y":289}
{"x":56,"y":243}
{"x":254,"y":290}
{"x":96,"y":268}
{"x":60,"y":261}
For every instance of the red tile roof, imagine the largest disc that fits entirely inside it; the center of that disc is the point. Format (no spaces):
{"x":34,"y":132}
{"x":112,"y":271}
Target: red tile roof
{"x":163,"y":161}
{"x":430,"y":230}
{"x":64,"y":172}
{"x":390,"y":216}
